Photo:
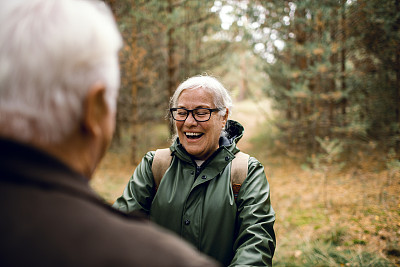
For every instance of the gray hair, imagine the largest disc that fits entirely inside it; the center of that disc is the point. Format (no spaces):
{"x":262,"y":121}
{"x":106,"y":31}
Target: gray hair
{"x":222,"y":99}
{"x":51,"y":53}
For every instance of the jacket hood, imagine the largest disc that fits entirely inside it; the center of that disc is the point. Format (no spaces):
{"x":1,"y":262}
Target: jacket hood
{"x":232,"y":134}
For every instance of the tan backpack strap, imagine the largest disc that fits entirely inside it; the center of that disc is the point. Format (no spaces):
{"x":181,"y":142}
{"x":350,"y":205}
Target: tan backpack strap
{"x":162,"y":160}
{"x":239,"y":170}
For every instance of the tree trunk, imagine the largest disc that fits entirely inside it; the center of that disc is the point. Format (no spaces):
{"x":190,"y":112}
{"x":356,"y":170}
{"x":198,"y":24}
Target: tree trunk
{"x":343,"y":62}
{"x":334,"y":63}
{"x":171,"y":64}
{"x":134,"y":91}
{"x":397,"y":106}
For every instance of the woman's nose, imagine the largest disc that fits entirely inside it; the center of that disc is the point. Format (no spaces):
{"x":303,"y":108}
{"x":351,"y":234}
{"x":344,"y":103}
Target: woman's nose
{"x":190,"y":119}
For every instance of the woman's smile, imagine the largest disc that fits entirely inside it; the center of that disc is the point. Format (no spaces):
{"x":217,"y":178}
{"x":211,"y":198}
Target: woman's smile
{"x":194,"y":136}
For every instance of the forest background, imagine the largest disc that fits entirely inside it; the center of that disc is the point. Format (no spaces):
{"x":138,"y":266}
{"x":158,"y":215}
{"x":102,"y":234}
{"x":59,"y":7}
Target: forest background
{"x":316,"y":85}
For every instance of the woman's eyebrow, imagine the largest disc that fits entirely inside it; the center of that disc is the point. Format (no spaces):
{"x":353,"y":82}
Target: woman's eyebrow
{"x":204,"y":106}
{"x":199,"y":106}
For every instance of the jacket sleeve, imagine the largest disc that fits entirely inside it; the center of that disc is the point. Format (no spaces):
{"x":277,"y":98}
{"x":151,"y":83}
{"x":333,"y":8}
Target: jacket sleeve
{"x":140,"y":190}
{"x":255,"y":243}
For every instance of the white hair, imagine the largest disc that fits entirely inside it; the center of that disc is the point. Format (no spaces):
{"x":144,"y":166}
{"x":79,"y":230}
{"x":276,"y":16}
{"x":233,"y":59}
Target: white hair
{"x":51,"y":53}
{"x":221,"y":96}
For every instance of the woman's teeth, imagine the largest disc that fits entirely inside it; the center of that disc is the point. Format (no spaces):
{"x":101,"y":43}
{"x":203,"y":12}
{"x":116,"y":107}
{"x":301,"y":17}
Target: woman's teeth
{"x":193,"y":135}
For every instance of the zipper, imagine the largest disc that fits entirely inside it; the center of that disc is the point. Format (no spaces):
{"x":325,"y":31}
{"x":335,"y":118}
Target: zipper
{"x":198,"y":171}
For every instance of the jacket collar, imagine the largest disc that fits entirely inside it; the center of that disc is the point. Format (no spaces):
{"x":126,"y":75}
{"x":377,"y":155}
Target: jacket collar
{"x":24,"y":164}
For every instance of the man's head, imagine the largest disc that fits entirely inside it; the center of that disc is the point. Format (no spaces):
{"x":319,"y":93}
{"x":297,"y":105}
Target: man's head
{"x":58,"y":70}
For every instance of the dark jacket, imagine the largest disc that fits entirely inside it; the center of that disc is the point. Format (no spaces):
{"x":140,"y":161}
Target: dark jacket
{"x":51,"y":217}
{"x":198,"y":203}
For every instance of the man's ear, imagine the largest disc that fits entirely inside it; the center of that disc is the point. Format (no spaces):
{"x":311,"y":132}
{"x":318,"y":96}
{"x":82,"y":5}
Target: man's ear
{"x":95,"y":108}
{"x":225,"y":117}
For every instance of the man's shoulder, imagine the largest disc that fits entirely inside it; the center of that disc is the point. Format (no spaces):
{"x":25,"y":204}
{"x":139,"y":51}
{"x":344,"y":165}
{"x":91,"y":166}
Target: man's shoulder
{"x":134,"y":239}
{"x":56,"y":227}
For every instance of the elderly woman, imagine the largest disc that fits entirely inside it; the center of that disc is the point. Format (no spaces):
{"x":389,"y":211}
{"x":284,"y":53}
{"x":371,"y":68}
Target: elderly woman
{"x":195,"y":198}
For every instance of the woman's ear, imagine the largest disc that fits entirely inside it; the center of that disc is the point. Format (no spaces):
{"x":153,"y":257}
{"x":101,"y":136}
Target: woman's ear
{"x":95,"y":109}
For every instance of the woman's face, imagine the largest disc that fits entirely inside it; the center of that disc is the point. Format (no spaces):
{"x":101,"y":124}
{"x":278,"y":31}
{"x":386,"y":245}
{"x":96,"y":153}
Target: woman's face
{"x":200,"y":139}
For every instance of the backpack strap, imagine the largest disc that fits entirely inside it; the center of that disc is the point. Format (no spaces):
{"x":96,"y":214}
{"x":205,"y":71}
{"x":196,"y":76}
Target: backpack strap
{"x":239,"y":170}
{"x":162,"y":160}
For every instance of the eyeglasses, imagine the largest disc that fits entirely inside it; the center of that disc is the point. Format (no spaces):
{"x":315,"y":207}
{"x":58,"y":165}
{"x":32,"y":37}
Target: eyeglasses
{"x":199,"y":114}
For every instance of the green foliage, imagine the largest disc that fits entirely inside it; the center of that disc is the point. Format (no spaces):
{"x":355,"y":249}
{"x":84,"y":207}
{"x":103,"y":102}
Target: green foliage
{"x":331,"y":67}
{"x":332,"y":150}
{"x":392,"y":162}
{"x":338,"y":74}
{"x":164,"y":43}
{"x":335,"y":236}
{"x":325,"y":253}
{"x":298,"y":218}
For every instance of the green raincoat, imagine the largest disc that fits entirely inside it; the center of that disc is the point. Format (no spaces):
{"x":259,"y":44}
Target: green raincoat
{"x":197,"y":203}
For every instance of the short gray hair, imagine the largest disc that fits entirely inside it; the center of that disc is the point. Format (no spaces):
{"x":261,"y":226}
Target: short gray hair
{"x":220,"y":93}
{"x":51,"y":53}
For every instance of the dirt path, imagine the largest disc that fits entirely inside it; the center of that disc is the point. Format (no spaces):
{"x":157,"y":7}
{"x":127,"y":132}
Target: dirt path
{"x":251,"y":115}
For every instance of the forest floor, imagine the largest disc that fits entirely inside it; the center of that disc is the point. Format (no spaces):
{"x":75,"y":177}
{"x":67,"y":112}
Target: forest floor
{"x":348,"y":217}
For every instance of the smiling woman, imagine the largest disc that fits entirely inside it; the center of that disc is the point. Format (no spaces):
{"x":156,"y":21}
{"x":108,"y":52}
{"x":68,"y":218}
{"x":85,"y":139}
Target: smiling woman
{"x":195,"y":198}
{"x":200,"y":139}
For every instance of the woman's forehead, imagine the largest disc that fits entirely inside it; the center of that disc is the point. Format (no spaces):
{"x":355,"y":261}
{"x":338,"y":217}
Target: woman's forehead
{"x":200,"y":96}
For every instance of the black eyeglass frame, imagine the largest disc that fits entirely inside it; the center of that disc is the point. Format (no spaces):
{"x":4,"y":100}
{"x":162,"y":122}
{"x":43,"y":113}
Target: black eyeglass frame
{"x":171,"y":110}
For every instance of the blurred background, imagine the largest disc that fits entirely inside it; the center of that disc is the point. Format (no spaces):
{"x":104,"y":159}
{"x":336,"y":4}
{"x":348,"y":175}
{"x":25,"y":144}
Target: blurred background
{"x":316,"y":85}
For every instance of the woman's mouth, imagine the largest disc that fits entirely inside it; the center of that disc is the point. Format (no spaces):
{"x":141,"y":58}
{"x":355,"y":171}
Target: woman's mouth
{"x":193,"y":135}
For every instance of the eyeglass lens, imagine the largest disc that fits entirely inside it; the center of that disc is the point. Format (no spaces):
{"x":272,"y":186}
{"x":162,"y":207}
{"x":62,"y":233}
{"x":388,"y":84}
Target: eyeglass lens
{"x":199,"y":114}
